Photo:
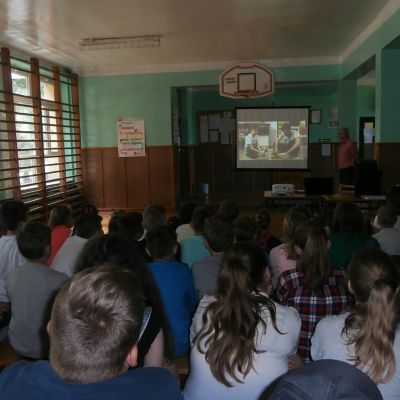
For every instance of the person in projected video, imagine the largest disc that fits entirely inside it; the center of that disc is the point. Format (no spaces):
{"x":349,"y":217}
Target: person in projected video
{"x":287,"y":144}
{"x":251,"y":146}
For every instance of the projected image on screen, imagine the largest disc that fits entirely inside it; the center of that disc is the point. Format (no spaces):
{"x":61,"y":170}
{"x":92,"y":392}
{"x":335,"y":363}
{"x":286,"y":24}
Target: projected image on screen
{"x":272,"y":138}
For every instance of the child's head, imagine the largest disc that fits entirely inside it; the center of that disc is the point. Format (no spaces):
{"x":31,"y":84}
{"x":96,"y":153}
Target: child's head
{"x":218,"y":234}
{"x":61,"y":215}
{"x":292,"y":220}
{"x":199,"y":217}
{"x":186,"y":211}
{"x":263,"y":219}
{"x":34,"y":240}
{"x":173,"y":222}
{"x":13,"y":213}
{"x":372,"y":324}
{"x":95,"y":325}
{"x":229,"y":210}
{"x":386,"y":217}
{"x":161,"y":243}
{"x":347,"y":217}
{"x":111,"y":248}
{"x":130,"y":225}
{"x":88,"y":225}
{"x":245,"y":229}
{"x":153,"y":216}
{"x":114,"y":222}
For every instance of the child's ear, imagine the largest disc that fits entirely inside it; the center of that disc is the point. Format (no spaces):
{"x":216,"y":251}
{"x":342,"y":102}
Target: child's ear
{"x":267,"y":274}
{"x":132,"y":356}
{"x":47,"y":252}
{"x":48,"y":327}
{"x":298,"y":250}
{"x":350,"y":287}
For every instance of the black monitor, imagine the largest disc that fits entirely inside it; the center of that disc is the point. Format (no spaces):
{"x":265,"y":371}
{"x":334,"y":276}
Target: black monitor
{"x":318,"y":186}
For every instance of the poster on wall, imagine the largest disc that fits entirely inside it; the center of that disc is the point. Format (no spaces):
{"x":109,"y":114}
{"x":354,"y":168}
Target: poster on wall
{"x":131,"y":137}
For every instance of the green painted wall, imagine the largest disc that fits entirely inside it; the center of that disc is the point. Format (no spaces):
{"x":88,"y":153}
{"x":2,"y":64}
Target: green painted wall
{"x":389,"y":101}
{"x":389,"y":31}
{"x":104,"y":99}
{"x":320,"y":96}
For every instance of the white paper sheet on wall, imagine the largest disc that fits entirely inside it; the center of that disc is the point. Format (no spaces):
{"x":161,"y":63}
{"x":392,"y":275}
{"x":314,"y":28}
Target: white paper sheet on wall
{"x":326,"y":150}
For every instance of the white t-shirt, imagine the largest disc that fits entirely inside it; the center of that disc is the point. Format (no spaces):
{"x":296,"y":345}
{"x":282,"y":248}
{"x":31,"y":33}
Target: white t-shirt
{"x":183,"y":232}
{"x":10,"y":257}
{"x":65,"y":259}
{"x":251,"y":140}
{"x":328,"y":343}
{"x":389,"y":240}
{"x":268,"y":365}
{"x":397,"y":224}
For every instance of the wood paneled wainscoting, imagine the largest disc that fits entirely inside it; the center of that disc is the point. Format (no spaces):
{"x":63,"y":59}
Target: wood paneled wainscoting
{"x":111,"y":182}
{"x":215,"y":165}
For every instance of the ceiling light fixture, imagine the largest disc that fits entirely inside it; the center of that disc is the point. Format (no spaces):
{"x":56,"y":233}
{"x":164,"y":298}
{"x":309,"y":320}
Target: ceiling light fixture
{"x":135,"y":42}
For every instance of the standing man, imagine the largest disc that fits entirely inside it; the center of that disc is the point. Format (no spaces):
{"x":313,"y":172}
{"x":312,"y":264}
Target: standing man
{"x":348,"y":157}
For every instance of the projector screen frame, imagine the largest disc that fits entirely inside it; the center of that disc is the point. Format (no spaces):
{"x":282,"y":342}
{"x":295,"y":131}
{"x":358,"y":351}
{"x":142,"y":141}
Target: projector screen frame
{"x":236,"y":168}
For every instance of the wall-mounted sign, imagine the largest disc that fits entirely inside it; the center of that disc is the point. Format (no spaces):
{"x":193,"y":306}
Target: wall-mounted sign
{"x":131,"y":137}
{"x":246,"y":80}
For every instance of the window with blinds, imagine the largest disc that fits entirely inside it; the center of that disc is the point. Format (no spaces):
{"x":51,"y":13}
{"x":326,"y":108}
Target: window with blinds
{"x":40,"y":159}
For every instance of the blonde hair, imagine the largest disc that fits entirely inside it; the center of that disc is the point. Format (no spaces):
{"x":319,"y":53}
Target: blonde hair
{"x":371,"y":325}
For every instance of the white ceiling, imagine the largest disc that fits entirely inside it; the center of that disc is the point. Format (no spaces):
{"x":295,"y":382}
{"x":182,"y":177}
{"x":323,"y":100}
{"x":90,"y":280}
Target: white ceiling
{"x":196,"y":34}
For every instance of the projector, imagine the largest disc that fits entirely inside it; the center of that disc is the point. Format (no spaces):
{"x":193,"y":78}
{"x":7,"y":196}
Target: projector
{"x":283,"y":188}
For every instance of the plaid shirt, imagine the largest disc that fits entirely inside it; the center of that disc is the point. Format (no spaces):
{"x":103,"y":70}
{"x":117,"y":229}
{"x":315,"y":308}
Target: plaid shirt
{"x":293,"y":291}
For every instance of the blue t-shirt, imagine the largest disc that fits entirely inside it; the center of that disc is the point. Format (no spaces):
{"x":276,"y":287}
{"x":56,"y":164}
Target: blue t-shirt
{"x":178,"y":295}
{"x":38,"y":381}
{"x":193,"y":250}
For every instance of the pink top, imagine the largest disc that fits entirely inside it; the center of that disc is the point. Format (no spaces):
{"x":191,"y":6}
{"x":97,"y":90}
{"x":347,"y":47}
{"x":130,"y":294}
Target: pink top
{"x":348,"y":154}
{"x":59,"y":234}
{"x":279,"y":263}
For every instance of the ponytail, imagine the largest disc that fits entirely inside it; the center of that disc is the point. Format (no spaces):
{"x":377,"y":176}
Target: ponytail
{"x":372,"y":323}
{"x":229,"y":332}
{"x":314,"y":261}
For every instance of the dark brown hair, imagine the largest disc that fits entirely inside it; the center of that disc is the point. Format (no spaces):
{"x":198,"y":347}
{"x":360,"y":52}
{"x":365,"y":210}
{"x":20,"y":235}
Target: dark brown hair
{"x":33,"y":239}
{"x":228,"y":336}
{"x":372,"y":323}
{"x":313,"y":263}
{"x":95,"y":322}
{"x":347,"y":217}
{"x":292,"y":220}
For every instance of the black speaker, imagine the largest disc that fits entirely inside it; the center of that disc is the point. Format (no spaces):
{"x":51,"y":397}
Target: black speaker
{"x":368,"y":178}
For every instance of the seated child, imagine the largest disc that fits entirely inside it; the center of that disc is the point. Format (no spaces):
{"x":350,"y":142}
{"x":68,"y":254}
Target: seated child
{"x":60,"y":222}
{"x":86,"y":226}
{"x":193,"y":248}
{"x":31,"y":288}
{"x":218,"y":237}
{"x":245,"y":229}
{"x":264,"y":238}
{"x":229,"y":210}
{"x":185,"y":230}
{"x":175,"y":283}
{"x":94,"y":330}
{"x":13,"y":214}
{"x":388,"y":236}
